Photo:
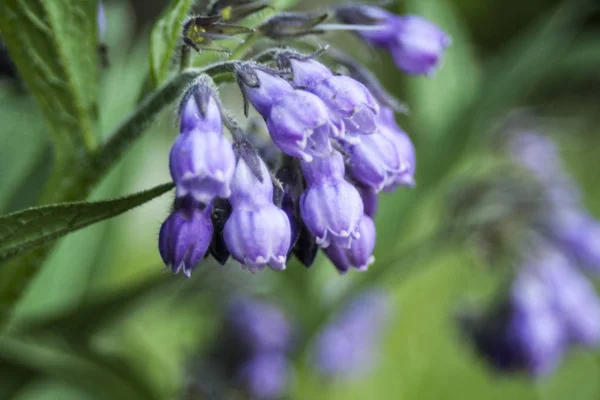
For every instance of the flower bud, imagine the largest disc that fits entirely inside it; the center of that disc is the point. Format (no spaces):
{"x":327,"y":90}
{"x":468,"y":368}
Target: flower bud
{"x":202,"y":160}
{"x":185,"y":236}
{"x":330,"y":207}
{"x":257,"y":233}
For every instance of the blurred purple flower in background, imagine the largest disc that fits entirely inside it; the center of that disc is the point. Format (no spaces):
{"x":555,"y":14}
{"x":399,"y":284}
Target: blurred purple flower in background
{"x":570,"y":225}
{"x":550,"y":307}
{"x":259,"y":336}
{"x":347,"y":347}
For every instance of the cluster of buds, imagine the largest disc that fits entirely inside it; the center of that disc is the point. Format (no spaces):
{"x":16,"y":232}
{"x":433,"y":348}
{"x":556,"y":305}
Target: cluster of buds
{"x":334,"y":145}
{"x":551,"y":306}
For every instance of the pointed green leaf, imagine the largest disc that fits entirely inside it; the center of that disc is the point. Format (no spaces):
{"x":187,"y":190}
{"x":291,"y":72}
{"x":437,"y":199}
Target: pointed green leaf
{"x":54,"y":45}
{"x":166,"y":35}
{"x":34,"y":227}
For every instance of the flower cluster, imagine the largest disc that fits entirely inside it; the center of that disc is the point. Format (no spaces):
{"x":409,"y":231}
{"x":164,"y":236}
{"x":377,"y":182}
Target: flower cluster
{"x":334,"y":146}
{"x":570,"y":226}
{"x":550,"y":306}
{"x":347,"y":346}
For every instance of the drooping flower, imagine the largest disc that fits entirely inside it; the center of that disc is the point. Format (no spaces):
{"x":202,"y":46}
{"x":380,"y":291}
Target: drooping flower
{"x":299,"y":123}
{"x":257,"y":233}
{"x":347,"y":346}
{"x":360,"y":254}
{"x":349,"y":99}
{"x":375,"y":163}
{"x":330,"y":207}
{"x":185,"y":236}
{"x":416,"y":45}
{"x":202,"y":160}
{"x":404,"y":147}
{"x":369,"y":198}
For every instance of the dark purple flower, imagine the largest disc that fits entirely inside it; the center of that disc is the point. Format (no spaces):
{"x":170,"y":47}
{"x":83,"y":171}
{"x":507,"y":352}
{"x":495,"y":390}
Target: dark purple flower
{"x":202,"y":160}
{"x":299,"y":123}
{"x":330,"y":207}
{"x":257,"y":233}
{"x":261,"y":326}
{"x":349,"y":99}
{"x":265,"y":375}
{"x":416,"y":45}
{"x":347,"y":346}
{"x":360,"y":253}
{"x":185,"y":236}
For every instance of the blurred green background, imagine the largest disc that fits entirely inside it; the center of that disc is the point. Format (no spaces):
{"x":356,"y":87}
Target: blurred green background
{"x":497,"y":62}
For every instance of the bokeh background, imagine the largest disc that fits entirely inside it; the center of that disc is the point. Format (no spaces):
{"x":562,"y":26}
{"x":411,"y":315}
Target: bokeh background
{"x":505,"y":56}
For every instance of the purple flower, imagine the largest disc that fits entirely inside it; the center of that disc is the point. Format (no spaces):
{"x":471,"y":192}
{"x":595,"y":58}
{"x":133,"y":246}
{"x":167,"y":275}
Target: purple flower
{"x":369,"y":198}
{"x":349,"y":99}
{"x":185,"y":236}
{"x":261,"y":326}
{"x":403,"y":146}
{"x":550,"y":307}
{"x":573,"y":298}
{"x":360,"y":254}
{"x":299,"y":123}
{"x":257,"y":233}
{"x":375,"y":163}
{"x":416,"y":45}
{"x":578,"y":234}
{"x":347,"y":346}
{"x":330,"y":207}
{"x":101,"y":20}
{"x":265,"y":375}
{"x":202,"y":160}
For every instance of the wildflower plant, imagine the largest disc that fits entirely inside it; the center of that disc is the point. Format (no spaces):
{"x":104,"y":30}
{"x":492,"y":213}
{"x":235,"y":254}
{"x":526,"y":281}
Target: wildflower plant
{"x":299,"y":171}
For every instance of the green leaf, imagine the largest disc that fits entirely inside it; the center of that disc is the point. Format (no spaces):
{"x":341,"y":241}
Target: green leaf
{"x":34,"y":227}
{"x":89,"y":371}
{"x":165,"y":37}
{"x":87,"y":318}
{"x":54,"y":45}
